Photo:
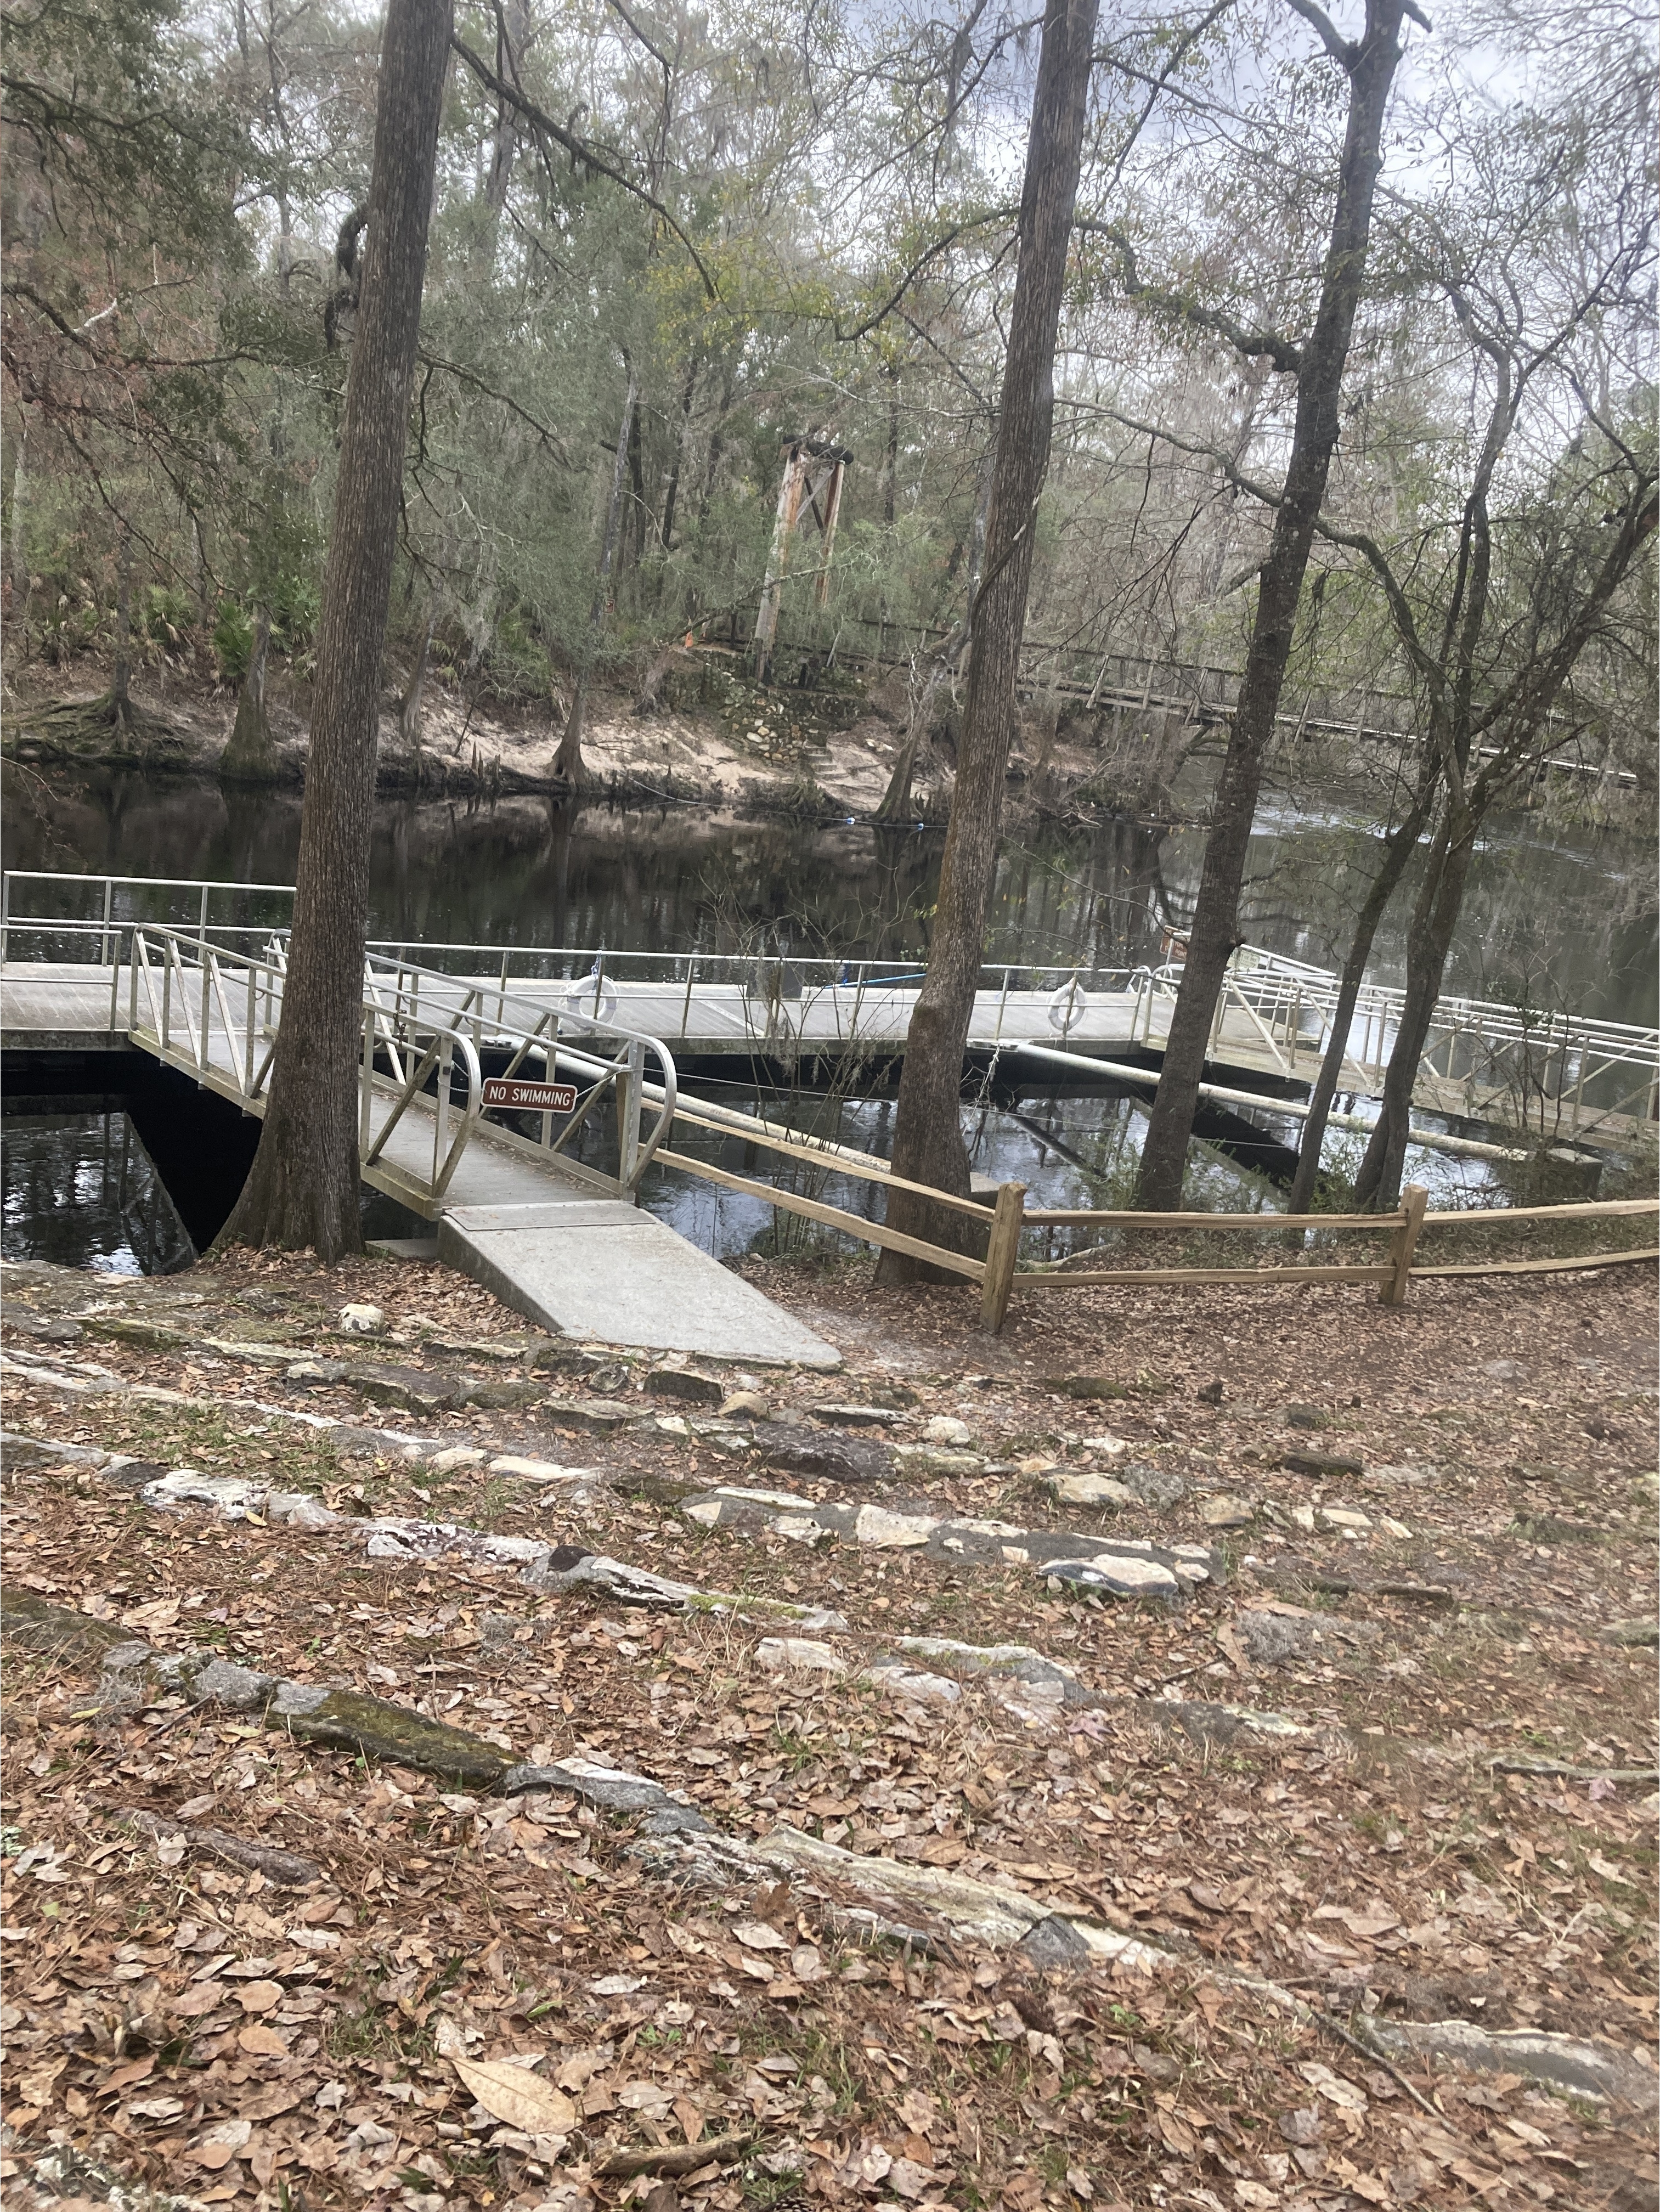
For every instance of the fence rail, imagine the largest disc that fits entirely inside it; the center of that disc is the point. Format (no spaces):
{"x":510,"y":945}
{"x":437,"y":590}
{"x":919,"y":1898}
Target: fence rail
{"x":1000,"y":1277}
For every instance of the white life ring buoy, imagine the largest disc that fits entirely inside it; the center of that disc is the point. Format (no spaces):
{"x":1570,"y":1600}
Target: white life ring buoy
{"x":1067,"y":1006}
{"x":582,"y":998}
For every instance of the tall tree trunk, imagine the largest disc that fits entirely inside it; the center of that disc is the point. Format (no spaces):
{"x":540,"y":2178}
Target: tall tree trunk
{"x":671,"y":498}
{"x":512,"y":37}
{"x":1398,"y":849}
{"x":634,"y":525}
{"x":20,"y":548}
{"x":896,"y":799}
{"x":409,"y":707}
{"x":121,"y":675}
{"x":891,"y":462}
{"x":250,"y":756}
{"x":568,"y":764}
{"x":303,"y":1188}
{"x":927,"y":1143}
{"x":1371,"y":66}
{"x":1429,"y":941}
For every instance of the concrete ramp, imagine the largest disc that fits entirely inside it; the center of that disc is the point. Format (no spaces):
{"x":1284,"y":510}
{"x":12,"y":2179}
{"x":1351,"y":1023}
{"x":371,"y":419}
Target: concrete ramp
{"x":603,"y":1272}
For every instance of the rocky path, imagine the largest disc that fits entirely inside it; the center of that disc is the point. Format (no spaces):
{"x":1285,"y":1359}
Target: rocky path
{"x":1178,"y":1754}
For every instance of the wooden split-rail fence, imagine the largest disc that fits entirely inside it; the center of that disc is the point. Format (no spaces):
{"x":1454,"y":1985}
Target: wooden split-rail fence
{"x":1005,"y":1220}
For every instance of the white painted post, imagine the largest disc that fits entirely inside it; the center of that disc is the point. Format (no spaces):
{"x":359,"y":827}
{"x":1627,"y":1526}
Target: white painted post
{"x":629,"y":1106}
{"x":368,"y":1080}
{"x":440,"y":1119}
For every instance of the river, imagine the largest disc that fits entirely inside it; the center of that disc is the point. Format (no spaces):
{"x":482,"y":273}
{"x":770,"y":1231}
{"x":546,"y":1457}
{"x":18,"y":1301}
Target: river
{"x":1555,"y":918}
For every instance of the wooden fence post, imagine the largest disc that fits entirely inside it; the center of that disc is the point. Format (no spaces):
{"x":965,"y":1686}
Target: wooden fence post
{"x":1001,"y":1252}
{"x":1413,"y":1200}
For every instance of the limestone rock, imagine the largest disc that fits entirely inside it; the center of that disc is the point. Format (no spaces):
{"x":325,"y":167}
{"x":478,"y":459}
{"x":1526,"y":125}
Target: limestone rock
{"x":233,"y":1495}
{"x":539,"y":1470}
{"x":1635,"y":1635}
{"x":615,"y":1788}
{"x":931,"y":1459}
{"x":1271,"y":1638}
{"x":781,"y":1653}
{"x":1020,"y":1660}
{"x":56,"y":1631}
{"x":410,"y":1387}
{"x":1305,"y":1417}
{"x":1222,"y":1511}
{"x":946,"y":1429}
{"x":446,"y":1463}
{"x":1084,"y":1488}
{"x":296,"y":1509}
{"x":1053,"y":1943}
{"x":1121,"y":1576}
{"x":671,"y":1820}
{"x":40,"y":1451}
{"x":1154,"y":1486}
{"x":601,"y":1415}
{"x":42,"y":1328}
{"x":746,"y":1406}
{"x":1598,"y":2070}
{"x":1083,"y":1386}
{"x":150,"y":1335}
{"x":893,"y":1531}
{"x":499,"y":1392}
{"x":857,"y":1416}
{"x":361,"y":1320}
{"x":1319,"y":1463}
{"x":913,"y":1686}
{"x":346,"y":1720}
{"x":240,"y":1689}
{"x":823,"y":1456}
{"x":1413,"y":1474}
{"x":686,"y":1385}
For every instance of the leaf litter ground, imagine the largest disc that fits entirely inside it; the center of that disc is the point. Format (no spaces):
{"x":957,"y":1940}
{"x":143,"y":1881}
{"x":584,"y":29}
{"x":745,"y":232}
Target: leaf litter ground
{"x":195,"y":2029}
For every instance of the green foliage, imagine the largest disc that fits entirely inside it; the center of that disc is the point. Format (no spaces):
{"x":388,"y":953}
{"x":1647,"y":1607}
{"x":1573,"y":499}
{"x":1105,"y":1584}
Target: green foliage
{"x":168,"y":615}
{"x":233,"y":642}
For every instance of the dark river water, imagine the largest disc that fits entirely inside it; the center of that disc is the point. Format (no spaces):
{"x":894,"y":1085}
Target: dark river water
{"x":1555,"y":918}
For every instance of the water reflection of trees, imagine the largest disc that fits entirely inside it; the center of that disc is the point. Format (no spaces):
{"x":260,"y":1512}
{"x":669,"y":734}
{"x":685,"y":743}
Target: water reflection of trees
{"x":81,"y":1190}
{"x":1559,"y":901}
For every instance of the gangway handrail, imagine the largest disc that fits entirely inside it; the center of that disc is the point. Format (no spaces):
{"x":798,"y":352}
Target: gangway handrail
{"x":423,"y":1024}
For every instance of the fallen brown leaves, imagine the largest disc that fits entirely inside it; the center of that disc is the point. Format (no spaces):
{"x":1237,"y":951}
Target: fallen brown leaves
{"x":489,"y":2003}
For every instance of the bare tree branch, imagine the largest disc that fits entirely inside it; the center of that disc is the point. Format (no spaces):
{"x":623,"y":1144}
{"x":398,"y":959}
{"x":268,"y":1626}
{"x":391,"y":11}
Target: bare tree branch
{"x":540,"y":120}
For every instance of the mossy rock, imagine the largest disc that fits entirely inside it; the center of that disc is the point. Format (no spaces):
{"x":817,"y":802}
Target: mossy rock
{"x":346,"y":1720}
{"x":501,"y":1392}
{"x":149,"y":1335}
{"x":55,"y":1632}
